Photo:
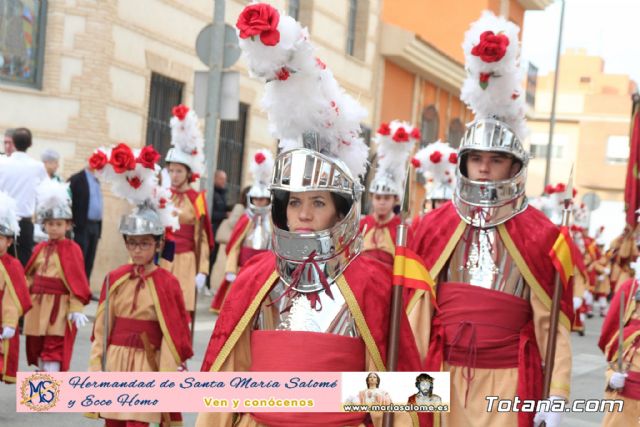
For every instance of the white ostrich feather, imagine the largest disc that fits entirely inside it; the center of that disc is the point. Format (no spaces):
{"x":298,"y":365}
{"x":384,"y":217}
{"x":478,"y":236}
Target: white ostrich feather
{"x":51,"y":194}
{"x":8,"y":215}
{"x":261,"y":172}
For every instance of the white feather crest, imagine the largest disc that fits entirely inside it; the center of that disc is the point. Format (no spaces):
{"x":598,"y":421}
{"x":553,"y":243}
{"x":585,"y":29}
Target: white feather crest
{"x":394,"y":143}
{"x":302,"y":95}
{"x":493,"y":84}
{"x":186,"y":136}
{"x":51,"y":194}
{"x":437,"y":163}
{"x":8,"y":215}
{"x":262,"y":166}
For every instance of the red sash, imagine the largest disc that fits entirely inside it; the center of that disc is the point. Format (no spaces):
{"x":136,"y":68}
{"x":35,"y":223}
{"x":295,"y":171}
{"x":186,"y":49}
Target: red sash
{"x":51,"y":286}
{"x":184,"y":238}
{"x":126,"y":332}
{"x":246,"y":253}
{"x":631,"y":388}
{"x":276,"y":351}
{"x":482,"y":328}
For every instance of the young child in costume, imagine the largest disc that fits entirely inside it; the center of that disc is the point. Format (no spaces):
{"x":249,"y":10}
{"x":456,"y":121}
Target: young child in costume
{"x":14,"y":293}
{"x":57,"y":283}
{"x":141,"y":313}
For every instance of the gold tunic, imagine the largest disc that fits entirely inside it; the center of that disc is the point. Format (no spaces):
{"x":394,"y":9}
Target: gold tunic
{"x":10,"y":311}
{"x":36,"y":321}
{"x":184,"y":265}
{"x":123,"y":358}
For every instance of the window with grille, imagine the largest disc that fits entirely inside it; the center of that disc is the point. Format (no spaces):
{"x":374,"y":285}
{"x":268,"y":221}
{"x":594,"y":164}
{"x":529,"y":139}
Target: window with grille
{"x":165,"y":93}
{"x":357,"y":27}
{"x":22,"y":41}
{"x":429,"y":128}
{"x":456,"y":133}
{"x":231,"y":152}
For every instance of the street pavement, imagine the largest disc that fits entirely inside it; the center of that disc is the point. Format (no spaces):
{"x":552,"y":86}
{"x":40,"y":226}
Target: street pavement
{"x":587,"y":379}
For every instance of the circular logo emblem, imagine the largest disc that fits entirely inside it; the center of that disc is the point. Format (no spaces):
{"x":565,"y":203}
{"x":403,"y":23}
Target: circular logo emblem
{"x":39,"y":392}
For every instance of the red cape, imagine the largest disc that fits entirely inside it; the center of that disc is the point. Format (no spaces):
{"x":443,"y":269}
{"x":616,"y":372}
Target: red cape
{"x":14,"y":280}
{"x":206,"y":221}
{"x":371,"y":223}
{"x":173,"y":312}
{"x":72,"y":265}
{"x":611,"y":324}
{"x":370,"y":282}
{"x":238,"y":230}
{"x":531,"y":232}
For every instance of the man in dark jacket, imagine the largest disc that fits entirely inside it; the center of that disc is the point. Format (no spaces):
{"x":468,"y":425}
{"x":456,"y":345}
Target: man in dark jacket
{"x":87,"y":207}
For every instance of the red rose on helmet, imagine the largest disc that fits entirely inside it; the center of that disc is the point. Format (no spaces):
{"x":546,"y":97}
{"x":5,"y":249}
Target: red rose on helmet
{"x":259,"y":19}
{"x":283,"y":74}
{"x":560,"y":187}
{"x":194,"y":177}
{"x":453,"y":158}
{"x":122,"y":158}
{"x":549,"y":189}
{"x":435,"y":157}
{"x":401,"y":135}
{"x":259,"y":158}
{"x":180,"y":111}
{"x":148,"y":157}
{"x":415,"y":133}
{"x":415,"y":162}
{"x":492,"y":47}
{"x":384,"y":129}
{"x":98,"y":160}
{"x":135,"y":182}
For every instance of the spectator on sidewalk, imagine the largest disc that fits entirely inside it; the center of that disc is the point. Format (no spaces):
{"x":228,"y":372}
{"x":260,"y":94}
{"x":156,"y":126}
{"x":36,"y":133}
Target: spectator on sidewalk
{"x":87,"y":205}
{"x":20,"y":175}
{"x":9,"y":147}
{"x":51,"y":160}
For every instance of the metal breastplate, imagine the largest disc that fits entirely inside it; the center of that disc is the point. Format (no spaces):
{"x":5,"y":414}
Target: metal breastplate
{"x":259,"y":237}
{"x":481,"y":259}
{"x":334,"y":316}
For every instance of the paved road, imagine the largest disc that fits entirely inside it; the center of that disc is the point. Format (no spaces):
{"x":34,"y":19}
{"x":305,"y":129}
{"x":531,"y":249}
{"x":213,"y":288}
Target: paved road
{"x":587,"y":381}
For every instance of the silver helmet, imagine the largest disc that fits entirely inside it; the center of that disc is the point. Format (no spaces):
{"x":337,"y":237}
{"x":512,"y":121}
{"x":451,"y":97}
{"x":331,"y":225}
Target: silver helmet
{"x":53,"y":201}
{"x":304,"y":170}
{"x":261,"y":168}
{"x":489,"y":203}
{"x":143,"y":220}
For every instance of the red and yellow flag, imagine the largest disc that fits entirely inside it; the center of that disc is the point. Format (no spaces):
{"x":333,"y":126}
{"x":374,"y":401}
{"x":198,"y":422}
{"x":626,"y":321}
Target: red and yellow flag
{"x":200,"y":205}
{"x":561,"y":256}
{"x":409,"y":271}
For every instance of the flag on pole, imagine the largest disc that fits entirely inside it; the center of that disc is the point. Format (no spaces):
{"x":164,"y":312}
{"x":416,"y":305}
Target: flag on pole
{"x":410,"y":272}
{"x":561,"y":256}
{"x":631,"y":188}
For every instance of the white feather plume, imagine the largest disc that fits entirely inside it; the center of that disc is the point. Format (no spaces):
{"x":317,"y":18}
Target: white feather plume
{"x":8,"y":215}
{"x":302,"y":95}
{"x":440,"y":172}
{"x":394,"y":146}
{"x":262,"y":166}
{"x":493,"y":89}
{"x":186,"y":136}
{"x":51,"y":194}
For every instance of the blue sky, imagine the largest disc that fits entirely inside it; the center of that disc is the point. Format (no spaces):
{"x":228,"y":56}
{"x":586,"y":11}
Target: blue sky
{"x":606,"y":28}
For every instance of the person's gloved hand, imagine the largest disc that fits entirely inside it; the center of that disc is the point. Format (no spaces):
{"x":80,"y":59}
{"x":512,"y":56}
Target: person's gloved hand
{"x":7,"y":333}
{"x":79,"y":319}
{"x":230,"y":277}
{"x":182,"y":367}
{"x":617,"y":380}
{"x":201,"y":281}
{"x":551,"y":419}
{"x":577,"y":302}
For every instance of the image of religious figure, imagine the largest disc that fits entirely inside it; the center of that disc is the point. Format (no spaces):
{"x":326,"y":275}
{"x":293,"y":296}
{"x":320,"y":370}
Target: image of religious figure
{"x":424,"y":396}
{"x":373,"y":394}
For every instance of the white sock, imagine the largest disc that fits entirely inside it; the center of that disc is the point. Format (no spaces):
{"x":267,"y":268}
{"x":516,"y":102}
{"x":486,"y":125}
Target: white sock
{"x":51,"y":366}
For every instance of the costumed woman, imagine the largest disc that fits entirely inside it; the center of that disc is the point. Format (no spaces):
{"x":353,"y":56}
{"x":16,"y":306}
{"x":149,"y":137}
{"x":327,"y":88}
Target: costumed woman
{"x":252,"y":233}
{"x":313,"y":304}
{"x":141,"y":317}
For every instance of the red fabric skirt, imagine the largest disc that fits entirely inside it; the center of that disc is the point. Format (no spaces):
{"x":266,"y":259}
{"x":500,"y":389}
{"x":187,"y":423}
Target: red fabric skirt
{"x":278,"y":351}
{"x":487,"y":329}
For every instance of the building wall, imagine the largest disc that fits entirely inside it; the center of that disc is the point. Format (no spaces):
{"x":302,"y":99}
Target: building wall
{"x":99,"y":57}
